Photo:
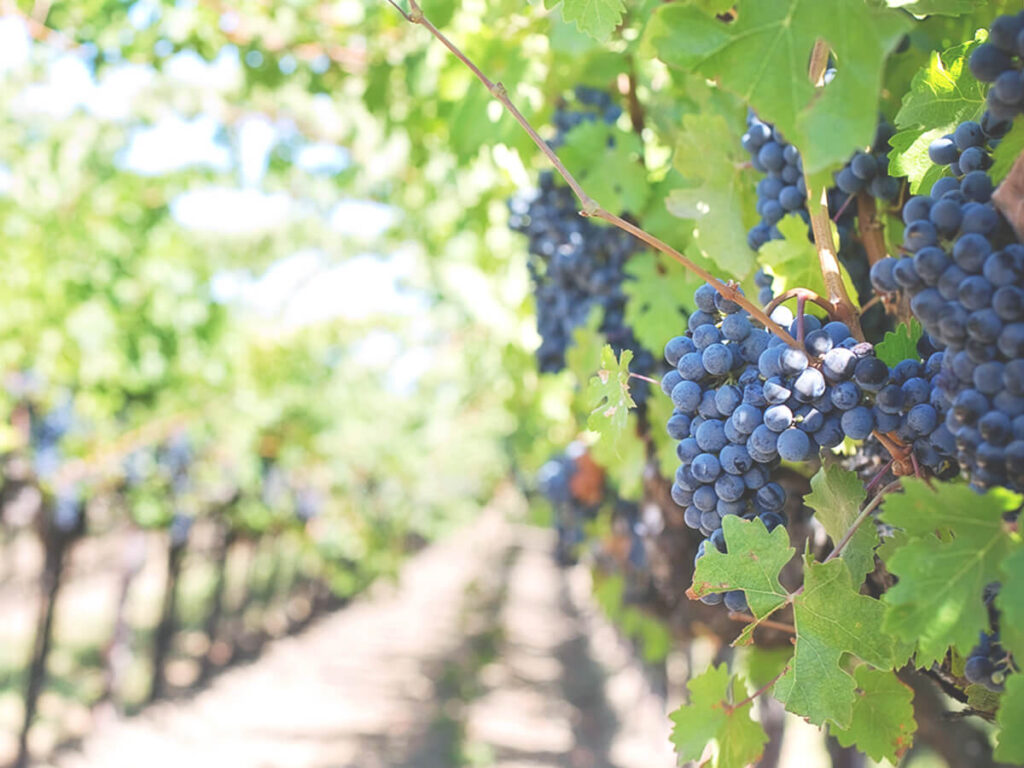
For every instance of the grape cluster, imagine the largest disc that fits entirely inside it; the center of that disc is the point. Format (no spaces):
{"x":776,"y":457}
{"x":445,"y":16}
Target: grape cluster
{"x":989,"y":663}
{"x":965,"y":276}
{"x":782,"y":191}
{"x":968,"y":150}
{"x":576,"y":264}
{"x":869,"y":171}
{"x":555,"y":480}
{"x":591,"y":104}
{"x":46,"y":431}
{"x":744,"y":400}
{"x":999,"y":61}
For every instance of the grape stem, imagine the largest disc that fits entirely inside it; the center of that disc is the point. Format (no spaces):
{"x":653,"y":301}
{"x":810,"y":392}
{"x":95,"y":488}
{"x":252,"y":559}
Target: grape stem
{"x":589,"y":206}
{"x":821,"y":225}
{"x":870,"y":230}
{"x":730,"y":708}
{"x":799,"y":294}
{"x":871,"y":507}
{"x":636,"y":110}
{"x":643,"y":378}
{"x":746,"y":618}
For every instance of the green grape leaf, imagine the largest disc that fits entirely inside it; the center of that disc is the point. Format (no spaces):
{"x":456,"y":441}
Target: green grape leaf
{"x":1010,"y":748}
{"x":610,"y":171}
{"x":941,"y":96}
{"x":608,"y":395}
{"x":583,"y":356}
{"x":765,"y":664}
{"x":655,"y":299}
{"x":793,"y":261}
{"x":624,"y":459}
{"x":720,"y":193}
{"x":659,"y":411}
{"x":831,"y":619}
{"x":709,"y":716}
{"x":883,"y":722}
{"x":956,"y":541}
{"x":836,"y":497}
{"x":1010,"y":602}
{"x":1009,"y":149}
{"x":752,"y":564}
{"x":909,"y":157}
{"x":597,"y":18}
{"x":763,"y":55}
{"x":900,"y":344}
{"x":936,"y":7}
{"x":981,"y":698}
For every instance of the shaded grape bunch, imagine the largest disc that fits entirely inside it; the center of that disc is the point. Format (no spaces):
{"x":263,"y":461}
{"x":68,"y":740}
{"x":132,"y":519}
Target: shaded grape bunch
{"x":869,"y":171}
{"x":969,"y":148}
{"x":999,"y":61}
{"x":782,"y":191}
{"x":965,"y":276}
{"x":575,"y":264}
{"x":989,"y":662}
{"x":558,"y":480}
{"x":744,"y":401}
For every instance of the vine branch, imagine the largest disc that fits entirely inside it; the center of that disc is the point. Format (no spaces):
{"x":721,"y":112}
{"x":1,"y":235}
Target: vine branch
{"x":730,"y":708}
{"x":870,"y":229}
{"x":798,"y":293}
{"x":868,"y":509}
{"x":746,"y":618}
{"x":821,"y":224}
{"x":590,"y":207}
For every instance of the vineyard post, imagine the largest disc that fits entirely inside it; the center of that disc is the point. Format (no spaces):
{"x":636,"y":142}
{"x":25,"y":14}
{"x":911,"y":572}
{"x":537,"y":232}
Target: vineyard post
{"x":168,"y":617}
{"x":55,"y":544}
{"x":225,"y":542}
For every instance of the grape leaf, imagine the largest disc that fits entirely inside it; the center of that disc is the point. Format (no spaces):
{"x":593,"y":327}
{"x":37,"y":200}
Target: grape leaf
{"x":956,"y":541}
{"x":659,"y":410}
{"x":709,"y":716}
{"x":900,"y":344}
{"x":883,"y":722}
{"x":655,"y":298}
{"x":794,"y":261}
{"x":941,"y":96}
{"x":944,"y":93}
{"x":765,"y":664}
{"x":624,"y":459}
{"x":831,"y":619}
{"x":1009,"y":149}
{"x":909,"y":157}
{"x":610,"y":171}
{"x":1010,"y":748}
{"x":608,"y":395}
{"x":583,"y":356}
{"x":936,"y":7}
{"x":763,"y":55}
{"x":836,"y":496}
{"x":597,"y":18}
{"x":1010,"y":602}
{"x":721,"y":192}
{"x":979,"y":697}
{"x":752,"y":564}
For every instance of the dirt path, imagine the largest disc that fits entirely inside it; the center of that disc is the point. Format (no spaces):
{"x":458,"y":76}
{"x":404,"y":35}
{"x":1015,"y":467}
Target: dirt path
{"x":484,"y":654}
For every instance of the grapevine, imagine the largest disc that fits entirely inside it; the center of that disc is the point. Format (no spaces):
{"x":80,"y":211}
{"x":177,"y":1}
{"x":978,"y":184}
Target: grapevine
{"x":755,"y":389}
